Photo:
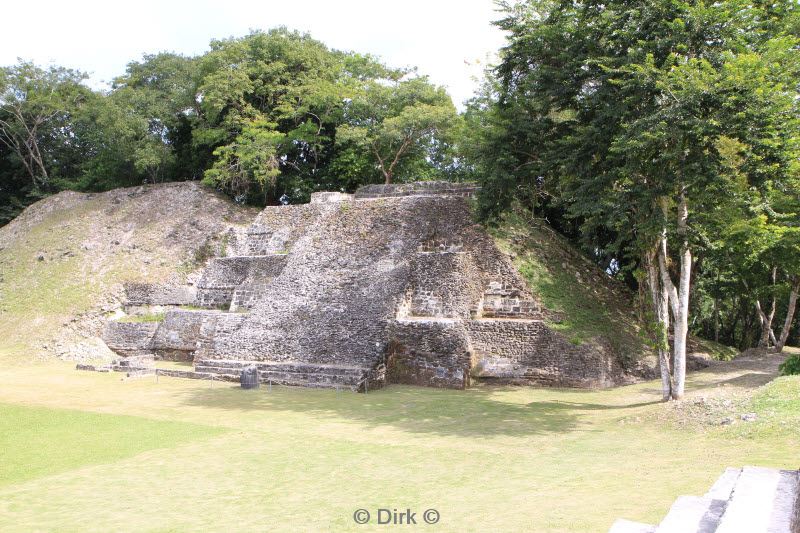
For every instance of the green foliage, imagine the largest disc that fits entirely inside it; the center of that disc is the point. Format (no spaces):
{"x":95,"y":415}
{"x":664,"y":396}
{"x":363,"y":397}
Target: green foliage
{"x":39,"y":144}
{"x":250,"y":160}
{"x":259,"y":116}
{"x":791,"y":366}
{"x":601,"y":117}
{"x":399,"y":124}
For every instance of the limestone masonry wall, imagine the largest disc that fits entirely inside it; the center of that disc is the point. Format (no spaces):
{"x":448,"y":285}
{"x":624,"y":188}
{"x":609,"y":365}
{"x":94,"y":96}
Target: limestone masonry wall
{"x":394,"y":284}
{"x":427,"y":352}
{"x":144,"y":294}
{"x":176,"y":337}
{"x":421,"y":188}
{"x":517,"y":351}
{"x":129,"y":338}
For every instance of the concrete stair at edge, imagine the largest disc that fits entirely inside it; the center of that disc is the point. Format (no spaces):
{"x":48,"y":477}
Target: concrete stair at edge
{"x":743,"y":500}
{"x":291,"y":374}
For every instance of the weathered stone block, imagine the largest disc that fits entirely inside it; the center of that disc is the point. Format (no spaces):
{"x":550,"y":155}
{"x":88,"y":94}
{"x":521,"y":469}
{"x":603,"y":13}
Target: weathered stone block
{"x":129,"y":338}
{"x":177,"y":337}
{"x":154,"y":294}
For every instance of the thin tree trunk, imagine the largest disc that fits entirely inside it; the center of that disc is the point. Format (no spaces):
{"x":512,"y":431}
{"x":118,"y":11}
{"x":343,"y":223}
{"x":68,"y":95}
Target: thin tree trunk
{"x":787,"y":324}
{"x":766,"y":319}
{"x":660,"y":299}
{"x":682,"y":320}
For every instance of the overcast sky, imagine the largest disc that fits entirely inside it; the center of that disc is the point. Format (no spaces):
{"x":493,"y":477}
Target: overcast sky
{"x":449,"y":40}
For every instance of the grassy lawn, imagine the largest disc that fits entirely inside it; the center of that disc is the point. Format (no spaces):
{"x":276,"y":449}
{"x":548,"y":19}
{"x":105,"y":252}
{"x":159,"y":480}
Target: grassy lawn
{"x":179,"y":455}
{"x":40,"y":441}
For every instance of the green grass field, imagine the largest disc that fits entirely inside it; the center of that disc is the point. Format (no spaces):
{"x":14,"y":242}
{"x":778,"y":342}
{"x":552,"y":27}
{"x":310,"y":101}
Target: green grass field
{"x":86,"y":451}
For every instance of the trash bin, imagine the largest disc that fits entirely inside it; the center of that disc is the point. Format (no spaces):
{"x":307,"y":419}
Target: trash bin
{"x":249,"y":377}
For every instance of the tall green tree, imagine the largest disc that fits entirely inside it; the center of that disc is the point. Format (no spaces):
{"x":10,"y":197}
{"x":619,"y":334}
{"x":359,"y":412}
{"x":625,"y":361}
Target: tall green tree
{"x":409,"y":119}
{"x":624,"y":112}
{"x":37,"y":108}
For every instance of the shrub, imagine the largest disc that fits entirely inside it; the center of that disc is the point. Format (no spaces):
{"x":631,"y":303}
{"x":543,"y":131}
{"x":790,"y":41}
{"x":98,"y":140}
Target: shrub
{"x":791,"y":366}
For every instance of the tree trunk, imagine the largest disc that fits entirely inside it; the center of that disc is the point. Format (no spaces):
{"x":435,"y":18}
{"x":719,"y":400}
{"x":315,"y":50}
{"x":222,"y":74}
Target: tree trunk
{"x":766,"y":319}
{"x":787,"y":324}
{"x":660,"y":298}
{"x":682,"y":318}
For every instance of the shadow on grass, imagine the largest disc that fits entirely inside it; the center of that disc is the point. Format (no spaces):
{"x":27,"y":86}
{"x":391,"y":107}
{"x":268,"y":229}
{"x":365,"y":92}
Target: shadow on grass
{"x":470,"y":413}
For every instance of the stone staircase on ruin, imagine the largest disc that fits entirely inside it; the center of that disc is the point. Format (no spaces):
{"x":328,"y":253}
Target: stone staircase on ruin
{"x":743,"y":500}
{"x":228,"y":285}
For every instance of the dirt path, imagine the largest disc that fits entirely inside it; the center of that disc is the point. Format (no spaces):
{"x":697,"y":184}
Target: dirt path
{"x":748,"y":371}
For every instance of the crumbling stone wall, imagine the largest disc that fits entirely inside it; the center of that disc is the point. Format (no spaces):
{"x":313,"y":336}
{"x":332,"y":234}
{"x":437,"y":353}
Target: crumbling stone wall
{"x":224,"y":275}
{"x":330,"y":197}
{"x":277,"y":228}
{"x":527,"y":351}
{"x":444,"y":284}
{"x":420,"y":188}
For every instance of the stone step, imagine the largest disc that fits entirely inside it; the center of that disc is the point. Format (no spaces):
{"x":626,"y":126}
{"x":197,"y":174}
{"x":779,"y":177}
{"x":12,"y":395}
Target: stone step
{"x":627,"y":526}
{"x":274,"y":380}
{"x":723,"y":487}
{"x":762,"y":501}
{"x":293,"y":374}
{"x":326,"y":378}
{"x":692,"y":514}
{"x":93,"y":368}
{"x":291,"y":366}
{"x":742,"y":500}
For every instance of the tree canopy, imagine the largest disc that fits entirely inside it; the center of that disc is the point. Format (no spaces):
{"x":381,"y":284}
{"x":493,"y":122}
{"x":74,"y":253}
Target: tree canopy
{"x":261,"y":116}
{"x":650,"y":130}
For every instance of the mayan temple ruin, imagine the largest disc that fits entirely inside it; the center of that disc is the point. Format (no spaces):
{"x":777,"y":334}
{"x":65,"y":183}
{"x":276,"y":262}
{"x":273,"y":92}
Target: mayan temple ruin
{"x":393,"y":284}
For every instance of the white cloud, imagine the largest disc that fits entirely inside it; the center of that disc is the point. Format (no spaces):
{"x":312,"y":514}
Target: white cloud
{"x":449,"y":40}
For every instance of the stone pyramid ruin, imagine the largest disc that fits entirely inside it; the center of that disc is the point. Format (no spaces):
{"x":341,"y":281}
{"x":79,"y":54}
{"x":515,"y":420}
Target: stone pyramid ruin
{"x":394,"y":284}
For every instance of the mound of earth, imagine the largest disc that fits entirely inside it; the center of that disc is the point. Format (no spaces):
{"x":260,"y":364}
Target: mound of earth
{"x":64,"y":260}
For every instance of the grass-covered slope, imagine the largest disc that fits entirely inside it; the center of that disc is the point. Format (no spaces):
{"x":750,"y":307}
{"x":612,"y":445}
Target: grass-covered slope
{"x":582,"y":302}
{"x":63,"y":260}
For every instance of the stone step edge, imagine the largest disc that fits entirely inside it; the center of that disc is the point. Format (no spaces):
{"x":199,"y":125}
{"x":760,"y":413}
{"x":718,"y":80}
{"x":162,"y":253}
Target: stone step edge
{"x":239,"y":363}
{"x":188,"y":374}
{"x":722,"y":489}
{"x":693,"y":514}
{"x":294,"y":376}
{"x":748,"y":508}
